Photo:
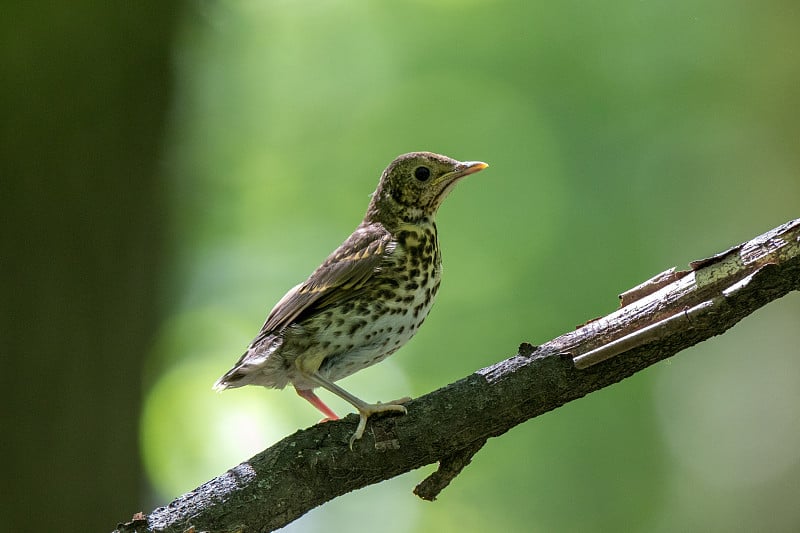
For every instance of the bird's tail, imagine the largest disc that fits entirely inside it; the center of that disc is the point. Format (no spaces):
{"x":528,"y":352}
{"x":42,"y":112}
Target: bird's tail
{"x":222,"y":383}
{"x":258,"y":365}
{"x":233,"y":378}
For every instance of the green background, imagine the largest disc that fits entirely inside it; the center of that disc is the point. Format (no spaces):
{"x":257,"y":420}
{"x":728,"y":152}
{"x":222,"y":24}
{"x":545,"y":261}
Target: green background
{"x":172,"y":172}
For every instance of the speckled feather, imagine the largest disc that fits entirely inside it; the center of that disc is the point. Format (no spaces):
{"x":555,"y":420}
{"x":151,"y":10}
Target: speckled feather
{"x":369,"y":297}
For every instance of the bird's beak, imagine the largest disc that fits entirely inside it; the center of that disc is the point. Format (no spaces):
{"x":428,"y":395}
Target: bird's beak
{"x":465,"y":169}
{"x":446,"y":182}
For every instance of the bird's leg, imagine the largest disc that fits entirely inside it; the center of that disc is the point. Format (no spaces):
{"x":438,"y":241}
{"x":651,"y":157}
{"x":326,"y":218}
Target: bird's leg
{"x":314,"y":400}
{"x":365,"y":410}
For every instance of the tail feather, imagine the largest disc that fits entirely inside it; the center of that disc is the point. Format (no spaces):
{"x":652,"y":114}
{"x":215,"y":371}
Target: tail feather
{"x":257,"y":365}
{"x":226,"y":381}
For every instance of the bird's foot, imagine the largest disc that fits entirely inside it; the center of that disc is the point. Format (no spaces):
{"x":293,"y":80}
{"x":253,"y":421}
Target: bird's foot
{"x":369,"y":409}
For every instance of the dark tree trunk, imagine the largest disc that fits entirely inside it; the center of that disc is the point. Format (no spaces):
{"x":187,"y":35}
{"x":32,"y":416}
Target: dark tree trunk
{"x":85,"y":88}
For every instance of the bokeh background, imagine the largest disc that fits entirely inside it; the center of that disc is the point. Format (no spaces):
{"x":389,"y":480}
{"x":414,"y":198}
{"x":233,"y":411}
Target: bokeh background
{"x":170,"y":170}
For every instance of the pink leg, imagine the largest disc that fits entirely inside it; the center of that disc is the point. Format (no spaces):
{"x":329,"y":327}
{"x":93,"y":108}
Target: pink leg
{"x":314,"y":400}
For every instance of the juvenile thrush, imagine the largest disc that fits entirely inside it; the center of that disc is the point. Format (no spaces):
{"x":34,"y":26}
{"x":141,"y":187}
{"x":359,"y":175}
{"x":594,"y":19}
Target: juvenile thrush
{"x":366,"y":300}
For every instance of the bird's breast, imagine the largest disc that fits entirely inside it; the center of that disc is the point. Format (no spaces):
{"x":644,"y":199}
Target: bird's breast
{"x":391,"y":312}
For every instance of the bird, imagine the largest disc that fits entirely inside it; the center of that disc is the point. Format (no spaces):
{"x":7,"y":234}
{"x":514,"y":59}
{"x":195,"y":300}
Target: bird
{"x":366,"y":300}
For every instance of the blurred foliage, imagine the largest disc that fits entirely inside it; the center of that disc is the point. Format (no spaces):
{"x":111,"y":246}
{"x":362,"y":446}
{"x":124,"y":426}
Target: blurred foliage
{"x":623,"y":137}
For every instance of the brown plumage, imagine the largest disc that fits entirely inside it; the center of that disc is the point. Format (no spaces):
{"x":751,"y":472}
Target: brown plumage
{"x":367,"y":299}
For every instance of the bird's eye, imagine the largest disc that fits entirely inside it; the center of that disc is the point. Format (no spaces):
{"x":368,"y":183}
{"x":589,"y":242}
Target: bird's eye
{"x":422,"y":173}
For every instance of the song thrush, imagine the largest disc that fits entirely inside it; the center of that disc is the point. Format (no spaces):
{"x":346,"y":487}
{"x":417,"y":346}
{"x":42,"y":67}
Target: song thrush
{"x":366,"y":300}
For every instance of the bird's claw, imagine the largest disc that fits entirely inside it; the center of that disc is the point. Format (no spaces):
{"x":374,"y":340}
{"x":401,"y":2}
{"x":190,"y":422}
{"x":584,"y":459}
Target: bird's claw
{"x":370,"y":409}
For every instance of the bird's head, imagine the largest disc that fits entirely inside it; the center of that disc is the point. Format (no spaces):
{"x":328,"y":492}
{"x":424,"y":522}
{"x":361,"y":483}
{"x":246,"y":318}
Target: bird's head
{"x":414,"y":185}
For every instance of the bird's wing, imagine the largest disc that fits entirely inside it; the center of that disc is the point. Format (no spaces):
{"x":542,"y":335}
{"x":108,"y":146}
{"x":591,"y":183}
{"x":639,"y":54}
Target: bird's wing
{"x":339,"y":278}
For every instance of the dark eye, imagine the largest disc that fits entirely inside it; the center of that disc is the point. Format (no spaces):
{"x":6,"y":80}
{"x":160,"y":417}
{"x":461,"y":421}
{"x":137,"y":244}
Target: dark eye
{"x":422,"y":173}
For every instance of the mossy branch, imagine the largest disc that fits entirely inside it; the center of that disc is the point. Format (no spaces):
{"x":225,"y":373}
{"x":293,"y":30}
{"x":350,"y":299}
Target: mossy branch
{"x":657,"y":319}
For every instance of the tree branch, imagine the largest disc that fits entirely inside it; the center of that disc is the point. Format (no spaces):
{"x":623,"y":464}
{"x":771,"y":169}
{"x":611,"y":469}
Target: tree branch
{"x":659,"y":318}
